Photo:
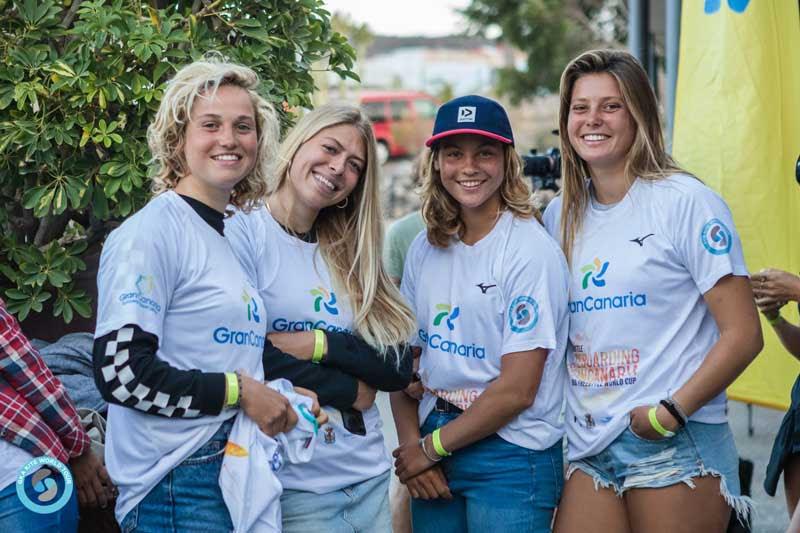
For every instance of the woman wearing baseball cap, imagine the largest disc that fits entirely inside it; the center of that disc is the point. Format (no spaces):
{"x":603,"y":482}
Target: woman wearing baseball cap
{"x":482,"y":448}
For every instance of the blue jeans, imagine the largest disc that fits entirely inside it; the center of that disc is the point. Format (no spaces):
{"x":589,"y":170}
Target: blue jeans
{"x":16,"y":517}
{"x":496,"y":486}
{"x":188,"y":499}
{"x":360,"y":508}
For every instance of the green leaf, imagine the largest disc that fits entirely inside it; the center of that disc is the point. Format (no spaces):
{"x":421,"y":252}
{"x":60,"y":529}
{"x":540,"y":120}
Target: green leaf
{"x":57,"y":278}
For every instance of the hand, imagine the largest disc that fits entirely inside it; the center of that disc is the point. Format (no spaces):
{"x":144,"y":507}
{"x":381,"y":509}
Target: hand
{"x":321,"y":416}
{"x":769,"y":307}
{"x":365,"y":397}
{"x":429,"y":485}
{"x":410,"y":460}
{"x":92,"y":481}
{"x":299,"y":344}
{"x":776,"y":284}
{"x":415,"y":390}
{"x":640,"y":423}
{"x":269,"y":409}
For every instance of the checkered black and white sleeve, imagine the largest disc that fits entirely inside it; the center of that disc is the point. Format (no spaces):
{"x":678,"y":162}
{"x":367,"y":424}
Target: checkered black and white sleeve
{"x":128,"y":371}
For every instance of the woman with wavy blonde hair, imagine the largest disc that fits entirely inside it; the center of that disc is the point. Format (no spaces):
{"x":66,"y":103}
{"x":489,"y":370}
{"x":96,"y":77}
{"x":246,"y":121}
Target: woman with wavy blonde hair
{"x":661,"y":316}
{"x":171,"y":354}
{"x":314,"y":250}
{"x":489,"y":289}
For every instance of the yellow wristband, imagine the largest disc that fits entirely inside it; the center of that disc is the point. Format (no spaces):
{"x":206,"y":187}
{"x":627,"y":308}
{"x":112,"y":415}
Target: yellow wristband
{"x":664,"y":432}
{"x":232,"y":382}
{"x":437,"y":443}
{"x":319,"y":346}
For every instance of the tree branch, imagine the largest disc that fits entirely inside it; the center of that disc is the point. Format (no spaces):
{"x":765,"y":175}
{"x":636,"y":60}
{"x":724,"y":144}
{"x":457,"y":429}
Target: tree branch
{"x":70,"y":16}
{"x":51,"y":227}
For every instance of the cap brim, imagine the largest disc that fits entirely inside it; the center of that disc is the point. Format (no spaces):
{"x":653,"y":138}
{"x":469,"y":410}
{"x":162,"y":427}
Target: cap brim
{"x":482,"y":133}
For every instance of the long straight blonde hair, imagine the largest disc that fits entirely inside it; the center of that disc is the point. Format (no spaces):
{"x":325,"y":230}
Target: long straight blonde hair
{"x":646,"y":158}
{"x":351,"y":238}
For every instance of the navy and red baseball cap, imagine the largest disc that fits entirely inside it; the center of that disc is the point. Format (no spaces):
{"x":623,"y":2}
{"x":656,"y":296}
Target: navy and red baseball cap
{"x":472,"y":114}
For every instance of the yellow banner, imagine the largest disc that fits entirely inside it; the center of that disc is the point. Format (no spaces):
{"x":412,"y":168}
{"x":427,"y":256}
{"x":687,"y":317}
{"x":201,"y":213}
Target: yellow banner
{"x":737,"y":127}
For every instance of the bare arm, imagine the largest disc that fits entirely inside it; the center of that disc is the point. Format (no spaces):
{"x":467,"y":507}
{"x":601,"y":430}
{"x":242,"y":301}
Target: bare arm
{"x":731,"y":304}
{"x":507,"y":396}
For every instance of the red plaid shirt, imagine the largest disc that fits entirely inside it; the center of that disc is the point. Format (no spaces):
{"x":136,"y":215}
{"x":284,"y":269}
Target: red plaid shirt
{"x":35,"y":412}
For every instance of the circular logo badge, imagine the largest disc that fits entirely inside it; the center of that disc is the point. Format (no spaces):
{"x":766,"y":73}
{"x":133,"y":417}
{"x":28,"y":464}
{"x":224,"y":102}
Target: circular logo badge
{"x":523,"y":314}
{"x":44,"y":485}
{"x":716,"y":237}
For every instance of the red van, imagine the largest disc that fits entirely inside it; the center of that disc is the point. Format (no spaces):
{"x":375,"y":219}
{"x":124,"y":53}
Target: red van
{"x":402,"y":120}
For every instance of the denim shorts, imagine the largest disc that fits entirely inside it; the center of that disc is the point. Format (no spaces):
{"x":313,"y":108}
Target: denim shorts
{"x":698,"y":450}
{"x":496,"y":485}
{"x":188,"y":499}
{"x":359,"y":508}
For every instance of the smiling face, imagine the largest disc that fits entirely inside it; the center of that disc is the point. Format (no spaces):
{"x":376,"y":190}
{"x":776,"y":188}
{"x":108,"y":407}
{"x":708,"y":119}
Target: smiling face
{"x":326,"y":168}
{"x":600,"y":127}
{"x":221,"y":145}
{"x":471,"y":169}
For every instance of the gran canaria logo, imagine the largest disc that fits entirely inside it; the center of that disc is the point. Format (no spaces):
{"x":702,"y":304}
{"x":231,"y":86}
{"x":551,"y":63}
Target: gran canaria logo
{"x":322,"y":298}
{"x":446,"y":311}
{"x":716,"y":237}
{"x":252,"y":307}
{"x":145,"y":285}
{"x":594,"y":271}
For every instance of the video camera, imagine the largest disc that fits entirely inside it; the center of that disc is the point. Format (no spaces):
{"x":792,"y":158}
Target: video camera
{"x":543,"y":170}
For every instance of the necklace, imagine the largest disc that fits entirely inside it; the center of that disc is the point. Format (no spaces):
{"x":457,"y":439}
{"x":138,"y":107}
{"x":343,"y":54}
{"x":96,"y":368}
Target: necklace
{"x":309,"y":236}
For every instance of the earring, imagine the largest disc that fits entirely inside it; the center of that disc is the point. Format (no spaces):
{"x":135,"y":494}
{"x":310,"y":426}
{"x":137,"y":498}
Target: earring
{"x":344,"y":204}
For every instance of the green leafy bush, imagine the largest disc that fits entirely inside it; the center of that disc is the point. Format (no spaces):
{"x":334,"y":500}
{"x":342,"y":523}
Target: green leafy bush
{"x":79,"y":83}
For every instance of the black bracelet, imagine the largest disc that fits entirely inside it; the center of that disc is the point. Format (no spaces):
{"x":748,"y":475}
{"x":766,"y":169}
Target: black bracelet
{"x":673,"y":410}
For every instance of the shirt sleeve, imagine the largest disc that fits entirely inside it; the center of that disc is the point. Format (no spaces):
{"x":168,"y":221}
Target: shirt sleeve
{"x":240,"y":230}
{"x":351,"y":354}
{"x":552,"y":216}
{"x":23,"y":369}
{"x":128,"y":371}
{"x":408,"y":285}
{"x":333,"y":387}
{"x":139,"y":272}
{"x":534,"y":292}
{"x":705,"y":237}
{"x":392,"y":254}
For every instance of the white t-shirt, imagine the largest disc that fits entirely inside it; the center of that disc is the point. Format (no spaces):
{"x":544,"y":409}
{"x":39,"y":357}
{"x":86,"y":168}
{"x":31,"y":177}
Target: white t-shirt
{"x":12,"y":459}
{"x":506,"y":293}
{"x":295,"y":284}
{"x":167,"y":271}
{"x":639,"y":326}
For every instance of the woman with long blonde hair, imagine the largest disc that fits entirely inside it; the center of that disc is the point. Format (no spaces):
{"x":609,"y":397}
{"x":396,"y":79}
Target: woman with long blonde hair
{"x":482,"y":449}
{"x":314,"y":251}
{"x":661,"y":316}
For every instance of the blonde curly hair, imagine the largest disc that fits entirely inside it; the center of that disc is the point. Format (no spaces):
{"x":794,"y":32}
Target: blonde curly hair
{"x":441,"y":212}
{"x":166,"y":135}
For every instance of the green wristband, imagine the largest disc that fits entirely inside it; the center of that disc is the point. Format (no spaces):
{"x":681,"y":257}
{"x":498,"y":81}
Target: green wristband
{"x":319,"y":346}
{"x":664,"y":432}
{"x":232,"y":382}
{"x":437,"y":443}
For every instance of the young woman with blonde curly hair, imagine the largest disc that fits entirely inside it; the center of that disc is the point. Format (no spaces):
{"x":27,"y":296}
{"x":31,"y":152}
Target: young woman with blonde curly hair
{"x":489,"y":289}
{"x":314,"y":252}
{"x":661,"y":316}
{"x":180,"y":336}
